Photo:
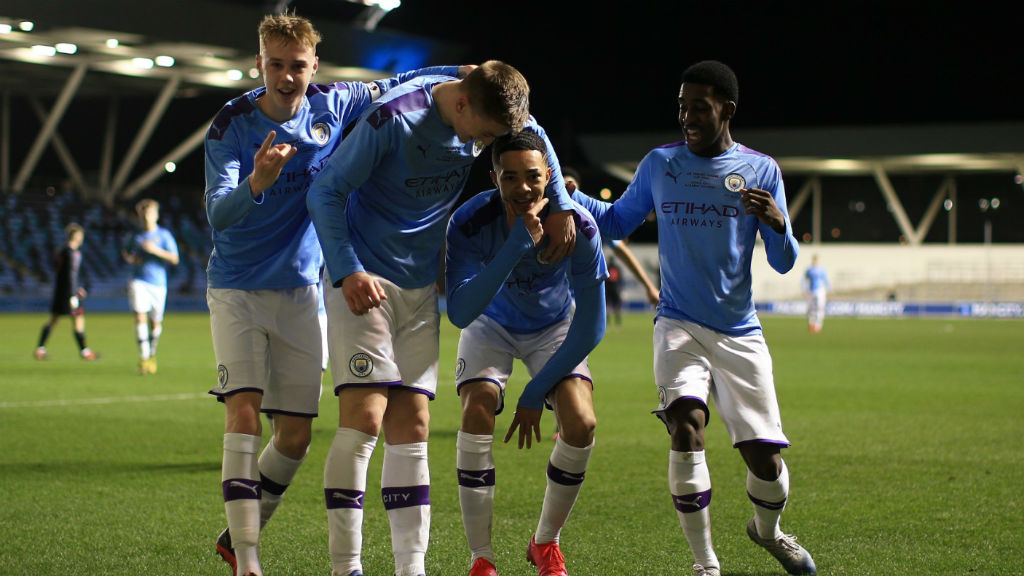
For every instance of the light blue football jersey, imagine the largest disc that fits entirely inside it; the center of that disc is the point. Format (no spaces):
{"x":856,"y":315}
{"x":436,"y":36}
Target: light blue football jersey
{"x":268,"y":242}
{"x":816,"y":279}
{"x":382,"y":202}
{"x":534,"y":295}
{"x":705,"y":238}
{"x":152,"y":269}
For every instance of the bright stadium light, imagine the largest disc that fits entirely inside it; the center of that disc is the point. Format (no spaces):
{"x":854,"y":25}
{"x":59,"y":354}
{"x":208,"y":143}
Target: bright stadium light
{"x":170,"y":167}
{"x":26,"y":25}
{"x":6,"y":28}
{"x":112,"y":43}
{"x":66,"y":48}
{"x":164,"y":61}
{"x":235,"y":75}
{"x":143,"y":63}
{"x":44,"y":50}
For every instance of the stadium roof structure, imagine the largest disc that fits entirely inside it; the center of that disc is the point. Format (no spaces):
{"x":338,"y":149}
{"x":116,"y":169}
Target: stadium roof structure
{"x":58,"y":50}
{"x":879,"y":152}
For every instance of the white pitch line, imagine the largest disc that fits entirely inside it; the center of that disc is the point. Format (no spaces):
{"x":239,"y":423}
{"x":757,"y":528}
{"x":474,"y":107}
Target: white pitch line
{"x":114,"y":400}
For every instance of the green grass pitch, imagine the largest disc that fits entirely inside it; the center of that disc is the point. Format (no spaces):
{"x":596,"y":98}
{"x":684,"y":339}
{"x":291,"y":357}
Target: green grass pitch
{"x":907,"y":459}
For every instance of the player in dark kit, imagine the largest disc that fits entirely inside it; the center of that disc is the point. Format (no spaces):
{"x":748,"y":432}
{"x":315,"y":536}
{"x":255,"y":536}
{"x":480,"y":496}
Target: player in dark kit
{"x":67,"y":293}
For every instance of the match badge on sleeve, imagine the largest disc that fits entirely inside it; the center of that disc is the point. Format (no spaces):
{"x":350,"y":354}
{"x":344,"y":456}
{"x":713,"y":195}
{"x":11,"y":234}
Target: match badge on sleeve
{"x":460,"y":367}
{"x":222,"y":375}
{"x":321,"y":132}
{"x":734,"y":182}
{"x":360,"y":365}
{"x":478,"y":147}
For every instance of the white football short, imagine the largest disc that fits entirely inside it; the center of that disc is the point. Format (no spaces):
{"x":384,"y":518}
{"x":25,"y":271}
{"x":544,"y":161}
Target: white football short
{"x":486,"y":352}
{"x":394,"y":345}
{"x":146,"y":298}
{"x":691,"y":361}
{"x":268,"y":341}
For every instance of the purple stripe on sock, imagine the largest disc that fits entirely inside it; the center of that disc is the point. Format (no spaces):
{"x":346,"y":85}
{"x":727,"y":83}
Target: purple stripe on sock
{"x":405,"y":496}
{"x":766,"y":504}
{"x":271,"y":486}
{"x":241,"y":489}
{"x":476,"y":478}
{"x":343,"y":498}
{"x":559,"y":476}
{"x":688,"y":503}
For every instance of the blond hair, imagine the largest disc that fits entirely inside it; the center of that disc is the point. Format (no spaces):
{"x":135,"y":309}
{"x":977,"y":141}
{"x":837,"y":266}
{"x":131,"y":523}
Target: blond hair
{"x":499,"y":92}
{"x":74,"y":228}
{"x":146,"y":203}
{"x":288,"y":28}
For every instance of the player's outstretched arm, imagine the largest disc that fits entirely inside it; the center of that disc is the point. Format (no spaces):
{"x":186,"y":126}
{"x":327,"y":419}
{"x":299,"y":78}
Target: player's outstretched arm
{"x":623,"y":252}
{"x":585,"y":332}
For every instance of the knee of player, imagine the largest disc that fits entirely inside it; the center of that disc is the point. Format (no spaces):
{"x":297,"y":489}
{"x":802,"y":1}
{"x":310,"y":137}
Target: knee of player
{"x":686,"y":420}
{"x":578,"y":429}
{"x":478,"y":417}
{"x":292,"y":442}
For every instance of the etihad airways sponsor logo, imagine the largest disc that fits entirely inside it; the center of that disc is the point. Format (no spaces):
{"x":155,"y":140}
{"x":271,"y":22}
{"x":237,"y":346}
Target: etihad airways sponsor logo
{"x":699,"y":209}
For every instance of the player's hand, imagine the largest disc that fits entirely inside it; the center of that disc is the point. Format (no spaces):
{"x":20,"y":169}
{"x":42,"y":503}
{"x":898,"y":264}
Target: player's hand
{"x":268,"y":162}
{"x":560,"y":228}
{"x":362,"y":292}
{"x":530,"y":218}
{"x":653,"y":296}
{"x":527,"y":420}
{"x":465,"y":70}
{"x":149,"y":247}
{"x":760,"y":203}
{"x":82,"y":293}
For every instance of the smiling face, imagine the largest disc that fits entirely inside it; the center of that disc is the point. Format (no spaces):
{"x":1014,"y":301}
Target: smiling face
{"x":521,"y":176}
{"x":287,"y":69}
{"x":704,"y":118}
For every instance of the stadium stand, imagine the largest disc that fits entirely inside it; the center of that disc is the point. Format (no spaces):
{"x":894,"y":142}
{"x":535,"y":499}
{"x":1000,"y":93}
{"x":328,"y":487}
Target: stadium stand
{"x":32,"y":229}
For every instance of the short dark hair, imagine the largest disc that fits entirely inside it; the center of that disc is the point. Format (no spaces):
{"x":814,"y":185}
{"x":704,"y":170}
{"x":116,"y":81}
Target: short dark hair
{"x":717,"y":75}
{"x":525,"y":140}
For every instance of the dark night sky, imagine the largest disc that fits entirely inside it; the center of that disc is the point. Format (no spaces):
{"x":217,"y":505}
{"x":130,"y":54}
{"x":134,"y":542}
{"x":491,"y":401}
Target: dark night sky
{"x":615,"y":66}
{"x":598,"y":67}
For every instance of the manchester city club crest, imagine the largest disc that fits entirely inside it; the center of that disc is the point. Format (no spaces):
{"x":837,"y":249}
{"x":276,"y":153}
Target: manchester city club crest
{"x":478,"y":147}
{"x":460,"y":367}
{"x":360,"y":365}
{"x":321,"y":132}
{"x":734,"y":182}
{"x":222,"y":375}
{"x":662,"y":396}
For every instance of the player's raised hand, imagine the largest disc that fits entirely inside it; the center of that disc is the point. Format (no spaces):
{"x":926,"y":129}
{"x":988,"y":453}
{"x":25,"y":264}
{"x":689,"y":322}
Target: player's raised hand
{"x":760,"y":203}
{"x":560,"y":228}
{"x":268,"y":162}
{"x":527,"y":420}
{"x":362,"y":292}
{"x":533,"y":223}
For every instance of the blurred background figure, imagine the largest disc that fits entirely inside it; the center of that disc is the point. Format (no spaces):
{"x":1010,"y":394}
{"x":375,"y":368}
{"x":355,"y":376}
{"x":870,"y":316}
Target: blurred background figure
{"x":816,"y":287}
{"x":67,"y":293}
{"x":613,"y":284}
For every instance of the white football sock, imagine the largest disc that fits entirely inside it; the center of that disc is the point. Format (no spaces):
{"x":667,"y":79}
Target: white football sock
{"x":690,"y":483}
{"x":142,"y":335}
{"x":154,"y":338}
{"x":276,"y":473}
{"x":567,"y":467}
{"x":769,"y":498}
{"x":241,"y":486}
{"x":344,"y":489}
{"x":475,"y":466}
{"x":405,"y":489}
